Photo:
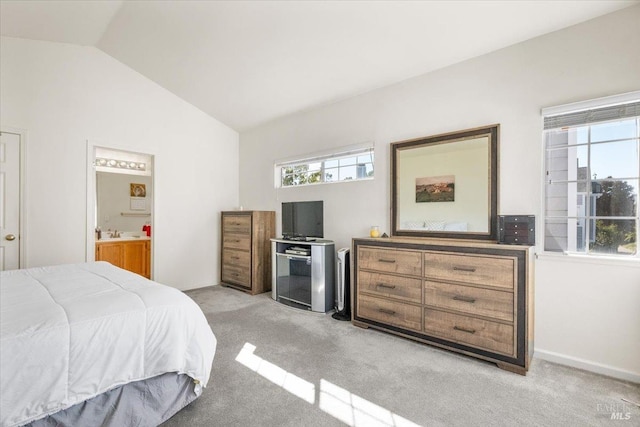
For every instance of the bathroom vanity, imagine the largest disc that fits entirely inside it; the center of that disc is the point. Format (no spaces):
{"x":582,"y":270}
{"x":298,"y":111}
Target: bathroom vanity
{"x":129,"y":253}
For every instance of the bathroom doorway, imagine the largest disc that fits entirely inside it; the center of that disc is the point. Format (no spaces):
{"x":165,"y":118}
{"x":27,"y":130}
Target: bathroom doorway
{"x":120,"y":195}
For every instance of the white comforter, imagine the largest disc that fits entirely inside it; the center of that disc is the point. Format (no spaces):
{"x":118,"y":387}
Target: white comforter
{"x":71,"y":332}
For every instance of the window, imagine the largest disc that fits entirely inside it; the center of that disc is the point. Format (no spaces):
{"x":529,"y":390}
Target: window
{"x":347,"y":165}
{"x":592,"y":177}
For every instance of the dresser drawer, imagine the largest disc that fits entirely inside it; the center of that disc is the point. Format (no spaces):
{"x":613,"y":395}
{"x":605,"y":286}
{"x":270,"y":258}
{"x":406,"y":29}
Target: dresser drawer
{"x":484,"y":334}
{"x":393,"y":313}
{"x":236,"y":275}
{"x":236,"y":224}
{"x":515,"y":238}
{"x":467,"y":299}
{"x":386,"y":285}
{"x":490,"y":271}
{"x":236,"y":241}
{"x":390,"y":261}
{"x":234,"y":258}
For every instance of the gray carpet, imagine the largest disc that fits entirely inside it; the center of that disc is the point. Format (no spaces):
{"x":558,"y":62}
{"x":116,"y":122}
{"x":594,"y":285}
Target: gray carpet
{"x":308,"y":369}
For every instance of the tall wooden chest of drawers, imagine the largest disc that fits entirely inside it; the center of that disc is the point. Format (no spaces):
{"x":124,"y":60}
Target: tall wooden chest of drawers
{"x":246,"y":250}
{"x":470,"y":297}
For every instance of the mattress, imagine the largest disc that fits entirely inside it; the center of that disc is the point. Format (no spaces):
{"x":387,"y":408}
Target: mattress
{"x":69,"y":333}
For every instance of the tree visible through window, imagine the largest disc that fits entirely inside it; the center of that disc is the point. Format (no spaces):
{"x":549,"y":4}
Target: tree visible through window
{"x":592,"y":179}
{"x":352,"y":165}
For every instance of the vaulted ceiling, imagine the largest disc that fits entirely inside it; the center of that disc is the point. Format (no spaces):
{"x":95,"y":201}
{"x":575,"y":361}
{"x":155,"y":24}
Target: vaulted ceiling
{"x":248,"y":62}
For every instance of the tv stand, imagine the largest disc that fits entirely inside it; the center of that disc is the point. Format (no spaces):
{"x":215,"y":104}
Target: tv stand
{"x":300,"y":280}
{"x":299,"y":239}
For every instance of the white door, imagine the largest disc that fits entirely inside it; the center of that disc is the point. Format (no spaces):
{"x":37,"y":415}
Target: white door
{"x":9,"y":201}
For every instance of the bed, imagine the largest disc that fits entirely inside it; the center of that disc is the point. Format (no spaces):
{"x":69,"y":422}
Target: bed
{"x":92,"y":344}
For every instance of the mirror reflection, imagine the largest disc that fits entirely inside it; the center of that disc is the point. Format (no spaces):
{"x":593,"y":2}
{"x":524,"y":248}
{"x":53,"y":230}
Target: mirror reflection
{"x":124,"y":193}
{"x":120,"y":206}
{"x":445,"y":186}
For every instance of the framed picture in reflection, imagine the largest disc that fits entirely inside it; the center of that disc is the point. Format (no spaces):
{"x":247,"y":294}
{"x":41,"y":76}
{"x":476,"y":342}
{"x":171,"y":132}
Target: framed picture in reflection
{"x":138,"y":190}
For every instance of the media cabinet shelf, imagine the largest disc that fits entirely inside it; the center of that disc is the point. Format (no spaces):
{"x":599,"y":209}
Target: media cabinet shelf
{"x":303,"y":281}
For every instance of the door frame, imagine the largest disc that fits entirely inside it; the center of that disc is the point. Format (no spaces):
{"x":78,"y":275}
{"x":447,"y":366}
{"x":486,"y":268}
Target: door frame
{"x":22,"y":204}
{"x":90,"y":249}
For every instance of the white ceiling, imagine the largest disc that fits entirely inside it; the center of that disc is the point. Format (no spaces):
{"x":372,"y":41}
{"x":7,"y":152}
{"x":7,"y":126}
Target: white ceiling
{"x":248,"y":62}
{"x":78,"y":22}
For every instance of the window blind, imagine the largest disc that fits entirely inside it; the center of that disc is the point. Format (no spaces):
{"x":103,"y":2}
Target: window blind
{"x":579,"y":118}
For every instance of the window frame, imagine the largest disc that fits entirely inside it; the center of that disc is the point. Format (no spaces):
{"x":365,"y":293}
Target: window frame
{"x":578,"y":108}
{"x":338,"y":154}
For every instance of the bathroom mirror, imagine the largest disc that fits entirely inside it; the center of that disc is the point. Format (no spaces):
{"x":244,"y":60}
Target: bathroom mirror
{"x":124,"y":190}
{"x":118,"y":206}
{"x":446,"y":185}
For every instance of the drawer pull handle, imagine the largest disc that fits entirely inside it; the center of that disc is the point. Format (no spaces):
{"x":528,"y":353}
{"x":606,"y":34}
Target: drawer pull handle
{"x":465,"y":299}
{"x":469,"y":331}
{"x":467,"y":269}
{"x":382,"y":285}
{"x":390,"y":261}
{"x":386,"y":311}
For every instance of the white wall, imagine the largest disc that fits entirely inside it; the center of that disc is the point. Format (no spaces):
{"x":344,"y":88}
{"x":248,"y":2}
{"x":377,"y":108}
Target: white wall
{"x":583,"y":311}
{"x":64,"y":95}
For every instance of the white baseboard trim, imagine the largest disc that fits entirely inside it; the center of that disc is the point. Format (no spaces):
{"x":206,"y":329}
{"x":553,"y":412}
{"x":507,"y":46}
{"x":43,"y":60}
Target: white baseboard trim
{"x":587,"y":365}
{"x":194,"y":287}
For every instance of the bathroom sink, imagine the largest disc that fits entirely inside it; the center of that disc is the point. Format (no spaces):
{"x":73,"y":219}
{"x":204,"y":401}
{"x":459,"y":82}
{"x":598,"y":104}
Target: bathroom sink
{"x":130,"y":235}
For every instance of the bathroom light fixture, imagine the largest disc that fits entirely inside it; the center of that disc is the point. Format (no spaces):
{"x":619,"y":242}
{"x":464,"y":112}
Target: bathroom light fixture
{"x":120,"y":164}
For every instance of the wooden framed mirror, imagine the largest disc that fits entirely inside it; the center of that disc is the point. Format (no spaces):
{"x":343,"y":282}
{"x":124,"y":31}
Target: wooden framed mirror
{"x":446,"y":185}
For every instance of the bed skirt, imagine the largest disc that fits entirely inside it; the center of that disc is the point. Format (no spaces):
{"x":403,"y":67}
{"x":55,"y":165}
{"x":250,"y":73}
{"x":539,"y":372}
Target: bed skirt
{"x":144,"y":403}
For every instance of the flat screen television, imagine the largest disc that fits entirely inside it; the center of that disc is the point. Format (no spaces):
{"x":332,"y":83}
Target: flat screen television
{"x":302,"y":220}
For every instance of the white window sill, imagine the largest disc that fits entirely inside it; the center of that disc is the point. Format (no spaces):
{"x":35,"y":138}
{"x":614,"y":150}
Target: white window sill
{"x":631,"y":261}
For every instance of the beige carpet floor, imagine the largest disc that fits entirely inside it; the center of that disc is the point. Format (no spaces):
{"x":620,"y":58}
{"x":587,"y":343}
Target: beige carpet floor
{"x":280,"y":366}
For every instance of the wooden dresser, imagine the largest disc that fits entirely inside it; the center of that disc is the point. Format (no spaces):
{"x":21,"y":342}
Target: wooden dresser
{"x":246,"y":250}
{"x":470,"y":297}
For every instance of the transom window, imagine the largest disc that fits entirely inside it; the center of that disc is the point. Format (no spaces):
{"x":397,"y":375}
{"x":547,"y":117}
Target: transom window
{"x":592,"y":179}
{"x":348,"y":165}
